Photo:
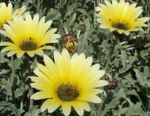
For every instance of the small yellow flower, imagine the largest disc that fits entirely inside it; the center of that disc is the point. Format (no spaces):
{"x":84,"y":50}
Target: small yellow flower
{"x":27,"y":35}
{"x":120,"y":16}
{"x":69,"y":82}
{"x":6,"y":13}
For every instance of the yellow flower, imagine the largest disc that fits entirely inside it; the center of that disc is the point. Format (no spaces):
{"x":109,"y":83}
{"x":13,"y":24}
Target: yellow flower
{"x":69,"y":82}
{"x":6,"y":13}
{"x":120,"y":16}
{"x":28,"y":35}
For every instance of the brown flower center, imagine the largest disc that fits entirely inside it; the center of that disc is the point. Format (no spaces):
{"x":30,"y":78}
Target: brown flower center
{"x":67,"y":92}
{"x":28,"y":45}
{"x":119,"y":25}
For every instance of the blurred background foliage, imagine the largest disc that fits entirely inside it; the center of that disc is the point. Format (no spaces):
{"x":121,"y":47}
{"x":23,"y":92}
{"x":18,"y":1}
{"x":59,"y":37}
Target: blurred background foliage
{"x":126,"y":60}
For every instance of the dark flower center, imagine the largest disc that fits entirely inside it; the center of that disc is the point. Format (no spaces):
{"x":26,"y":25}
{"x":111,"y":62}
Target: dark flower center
{"x":119,"y":25}
{"x":28,"y":45}
{"x":67,"y":92}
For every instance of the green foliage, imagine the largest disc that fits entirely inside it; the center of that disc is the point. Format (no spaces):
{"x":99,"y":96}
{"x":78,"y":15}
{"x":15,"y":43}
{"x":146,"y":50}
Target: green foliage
{"x":126,"y":60}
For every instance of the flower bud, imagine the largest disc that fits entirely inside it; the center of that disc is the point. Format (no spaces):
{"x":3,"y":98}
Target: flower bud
{"x":70,"y":42}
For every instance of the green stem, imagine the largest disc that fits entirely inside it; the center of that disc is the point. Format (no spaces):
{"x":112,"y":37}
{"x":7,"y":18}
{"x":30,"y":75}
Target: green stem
{"x":12,"y":81}
{"x":13,"y":72}
{"x":31,"y":101}
{"x":30,"y":89}
{"x":109,"y":57}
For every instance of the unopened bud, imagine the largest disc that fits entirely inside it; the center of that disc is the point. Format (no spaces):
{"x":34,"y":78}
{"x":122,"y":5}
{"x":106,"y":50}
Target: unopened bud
{"x":70,"y":42}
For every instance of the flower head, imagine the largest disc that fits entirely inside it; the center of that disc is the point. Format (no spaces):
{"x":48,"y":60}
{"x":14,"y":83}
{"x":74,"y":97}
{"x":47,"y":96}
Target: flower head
{"x":70,"y":42}
{"x":7,"y":13}
{"x":68,"y":82}
{"x":120,"y":16}
{"x":28,"y":35}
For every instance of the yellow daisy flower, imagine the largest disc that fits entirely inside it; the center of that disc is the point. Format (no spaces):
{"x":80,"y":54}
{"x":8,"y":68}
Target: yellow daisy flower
{"x":68,"y":82}
{"x":28,"y":35}
{"x":120,"y":16}
{"x":7,"y":13}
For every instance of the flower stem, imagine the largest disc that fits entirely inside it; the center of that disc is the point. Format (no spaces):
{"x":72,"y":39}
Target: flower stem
{"x":29,"y":73}
{"x":12,"y":81}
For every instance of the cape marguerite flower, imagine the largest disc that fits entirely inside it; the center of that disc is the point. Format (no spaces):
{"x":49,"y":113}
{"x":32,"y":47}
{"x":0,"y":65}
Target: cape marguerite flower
{"x":68,"y":82}
{"x":7,"y":13}
{"x":120,"y":16}
{"x":27,"y":35}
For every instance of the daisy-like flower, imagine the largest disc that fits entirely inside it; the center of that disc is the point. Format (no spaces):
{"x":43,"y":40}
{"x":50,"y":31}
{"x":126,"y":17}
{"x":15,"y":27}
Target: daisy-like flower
{"x":28,"y":35}
{"x":120,"y":16}
{"x":68,"y":82}
{"x":7,"y":13}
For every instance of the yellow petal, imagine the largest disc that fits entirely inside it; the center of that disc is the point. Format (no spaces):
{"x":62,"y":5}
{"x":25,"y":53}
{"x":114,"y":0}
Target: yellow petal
{"x":40,"y":95}
{"x":66,"y":108}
